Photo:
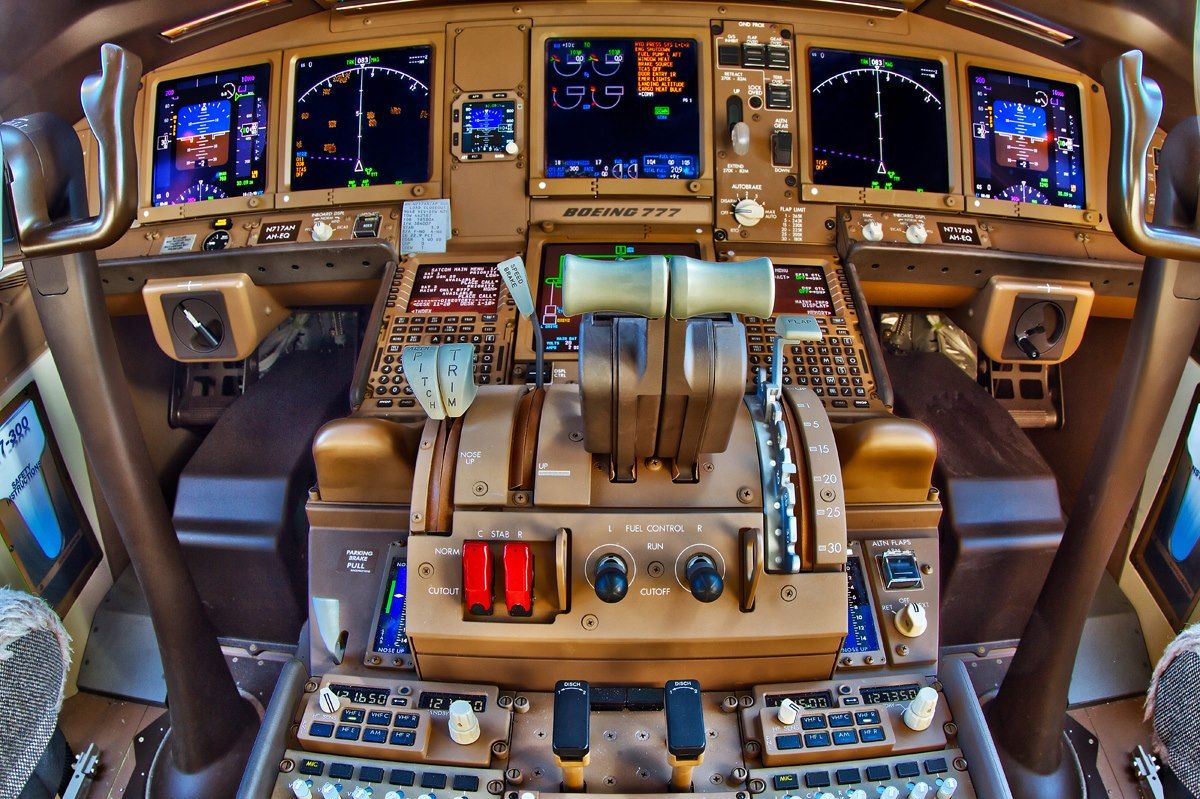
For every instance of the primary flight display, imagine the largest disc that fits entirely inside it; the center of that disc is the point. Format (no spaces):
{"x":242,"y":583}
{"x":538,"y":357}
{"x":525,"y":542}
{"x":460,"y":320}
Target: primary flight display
{"x":210,"y":136}
{"x":878,"y":121}
{"x":361,"y":118}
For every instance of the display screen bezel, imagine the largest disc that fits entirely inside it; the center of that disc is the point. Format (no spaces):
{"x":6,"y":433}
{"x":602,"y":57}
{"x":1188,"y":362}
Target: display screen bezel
{"x":541,"y":186}
{"x":147,"y":211}
{"x":1090,"y":102}
{"x":428,"y":189}
{"x":952,"y":199}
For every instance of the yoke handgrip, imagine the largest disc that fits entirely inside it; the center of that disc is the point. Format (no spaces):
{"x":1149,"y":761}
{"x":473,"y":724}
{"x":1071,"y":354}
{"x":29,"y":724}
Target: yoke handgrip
{"x":1135,"y":105}
{"x":108,"y":100}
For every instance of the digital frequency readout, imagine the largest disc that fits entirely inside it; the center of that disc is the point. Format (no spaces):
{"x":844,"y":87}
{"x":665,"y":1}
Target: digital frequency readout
{"x":878,"y":121}
{"x":455,"y":288}
{"x":1027,"y":137}
{"x":562,"y":331}
{"x":622,"y":108}
{"x":210,"y":136}
{"x":361,"y":119}
{"x":801,"y":289}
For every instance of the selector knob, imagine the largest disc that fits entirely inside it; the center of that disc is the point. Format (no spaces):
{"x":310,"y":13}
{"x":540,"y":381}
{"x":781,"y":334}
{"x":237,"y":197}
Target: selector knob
{"x":703,"y":578}
{"x":919,"y":713}
{"x":512,"y":148}
{"x":739,"y":136}
{"x":748,"y":213}
{"x":612,"y":579}
{"x":301,"y":789}
{"x":949,"y":786}
{"x":322,"y":230}
{"x":916,"y":233}
{"x":919,"y":791}
{"x":872,"y":230}
{"x":464,"y":724}
{"x":787,"y":712}
{"x":911,"y":620}
{"x":328,"y":701}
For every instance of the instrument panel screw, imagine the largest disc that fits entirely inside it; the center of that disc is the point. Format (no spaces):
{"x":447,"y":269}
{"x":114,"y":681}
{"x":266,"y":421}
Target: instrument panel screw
{"x":504,"y":702}
{"x":480,"y":488}
{"x":902,"y":650}
{"x":720,"y":235}
{"x":718,"y":29}
{"x":745,"y":495}
{"x":756,"y":786}
{"x":521,"y":704}
{"x":926,"y":568}
{"x":655,"y":569}
{"x":375,"y":660}
{"x":830,"y":224}
{"x":520,"y":498}
{"x":495,"y":787}
{"x":425,"y":570}
{"x":738,"y":776}
{"x":500,"y":749}
{"x":748,"y":700}
{"x":828,"y":494}
{"x":708,"y":466}
{"x":589,"y":622}
{"x":788,"y":594}
{"x":311,"y":686}
{"x":960,"y":763}
{"x":729,"y":704}
{"x":286,"y":766}
{"x":514,"y":776}
{"x":790,"y":180}
{"x":575,"y":435}
{"x":416,"y":517}
{"x":950,"y":728}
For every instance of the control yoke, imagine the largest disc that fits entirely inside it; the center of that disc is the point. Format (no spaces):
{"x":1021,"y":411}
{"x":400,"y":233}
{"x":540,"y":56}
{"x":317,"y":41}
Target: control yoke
{"x":1135,"y":105}
{"x":108,"y":100}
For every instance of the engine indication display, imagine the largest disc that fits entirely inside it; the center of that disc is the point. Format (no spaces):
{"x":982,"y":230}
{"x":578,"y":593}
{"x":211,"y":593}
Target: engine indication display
{"x":802,"y":289}
{"x":361,"y":119}
{"x":210,"y":136}
{"x":622,"y":108}
{"x":455,"y":288}
{"x":878,"y":121}
{"x":561,"y":332}
{"x":1027,"y":137}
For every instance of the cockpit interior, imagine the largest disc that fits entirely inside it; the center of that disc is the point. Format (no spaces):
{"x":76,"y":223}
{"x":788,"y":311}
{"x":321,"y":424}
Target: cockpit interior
{"x":418,"y":399}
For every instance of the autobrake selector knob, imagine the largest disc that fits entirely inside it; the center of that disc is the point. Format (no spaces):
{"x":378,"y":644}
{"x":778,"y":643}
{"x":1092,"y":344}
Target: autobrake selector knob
{"x":703,"y":578}
{"x":612,"y":578}
{"x":748,"y":212}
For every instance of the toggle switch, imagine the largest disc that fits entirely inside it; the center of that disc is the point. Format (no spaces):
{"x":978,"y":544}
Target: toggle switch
{"x":612,"y":578}
{"x":570,"y":739}
{"x":781,"y":148}
{"x":362,"y":792}
{"x":686,"y":735}
{"x":331,"y":791}
{"x":919,"y":713}
{"x":704,"y":581}
{"x":919,"y":791}
{"x":477,"y":578}
{"x":464,"y":724}
{"x":301,"y":789}
{"x":890,"y":792}
{"x":518,"y":579}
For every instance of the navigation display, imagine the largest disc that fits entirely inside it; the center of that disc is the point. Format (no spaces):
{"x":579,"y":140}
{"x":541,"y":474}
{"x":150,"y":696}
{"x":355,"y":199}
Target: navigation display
{"x":878,"y":121}
{"x":561,"y":331}
{"x":210,"y":136}
{"x":455,"y":288}
{"x":622,"y":108}
{"x":1027,"y":137}
{"x":361,"y":119}
{"x":802,"y":289}
{"x":488,"y":126}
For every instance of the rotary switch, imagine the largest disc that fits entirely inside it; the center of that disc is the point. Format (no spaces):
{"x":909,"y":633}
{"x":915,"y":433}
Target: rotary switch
{"x":464,"y":724}
{"x":748,"y":212}
{"x":322,"y":230}
{"x":911,"y":620}
{"x":916,"y":233}
{"x":872,"y":230}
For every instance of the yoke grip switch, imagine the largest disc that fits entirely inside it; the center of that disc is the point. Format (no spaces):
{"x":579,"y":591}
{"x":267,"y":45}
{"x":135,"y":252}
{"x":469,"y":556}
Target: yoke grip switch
{"x":571,"y":737}
{"x":686,"y":735}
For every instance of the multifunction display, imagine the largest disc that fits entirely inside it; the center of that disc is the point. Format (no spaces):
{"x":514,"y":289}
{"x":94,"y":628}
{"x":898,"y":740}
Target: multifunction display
{"x":455,"y":288}
{"x":488,"y":126}
{"x":210,"y":136}
{"x":801,"y":289}
{"x":1027,"y":136}
{"x":361,"y":119}
{"x":622,"y":108}
{"x":878,"y":121}
{"x":562,"y":331}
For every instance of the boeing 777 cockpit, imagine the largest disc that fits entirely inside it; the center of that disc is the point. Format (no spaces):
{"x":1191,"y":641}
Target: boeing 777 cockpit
{"x":779,"y":399}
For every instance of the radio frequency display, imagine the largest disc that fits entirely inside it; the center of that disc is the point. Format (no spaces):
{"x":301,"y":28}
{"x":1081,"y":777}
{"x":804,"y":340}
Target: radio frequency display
{"x":455,"y":288}
{"x":361,"y":119}
{"x":878,"y":121}
{"x":210,"y":136}
{"x":622,"y":108}
{"x":1027,"y":136}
